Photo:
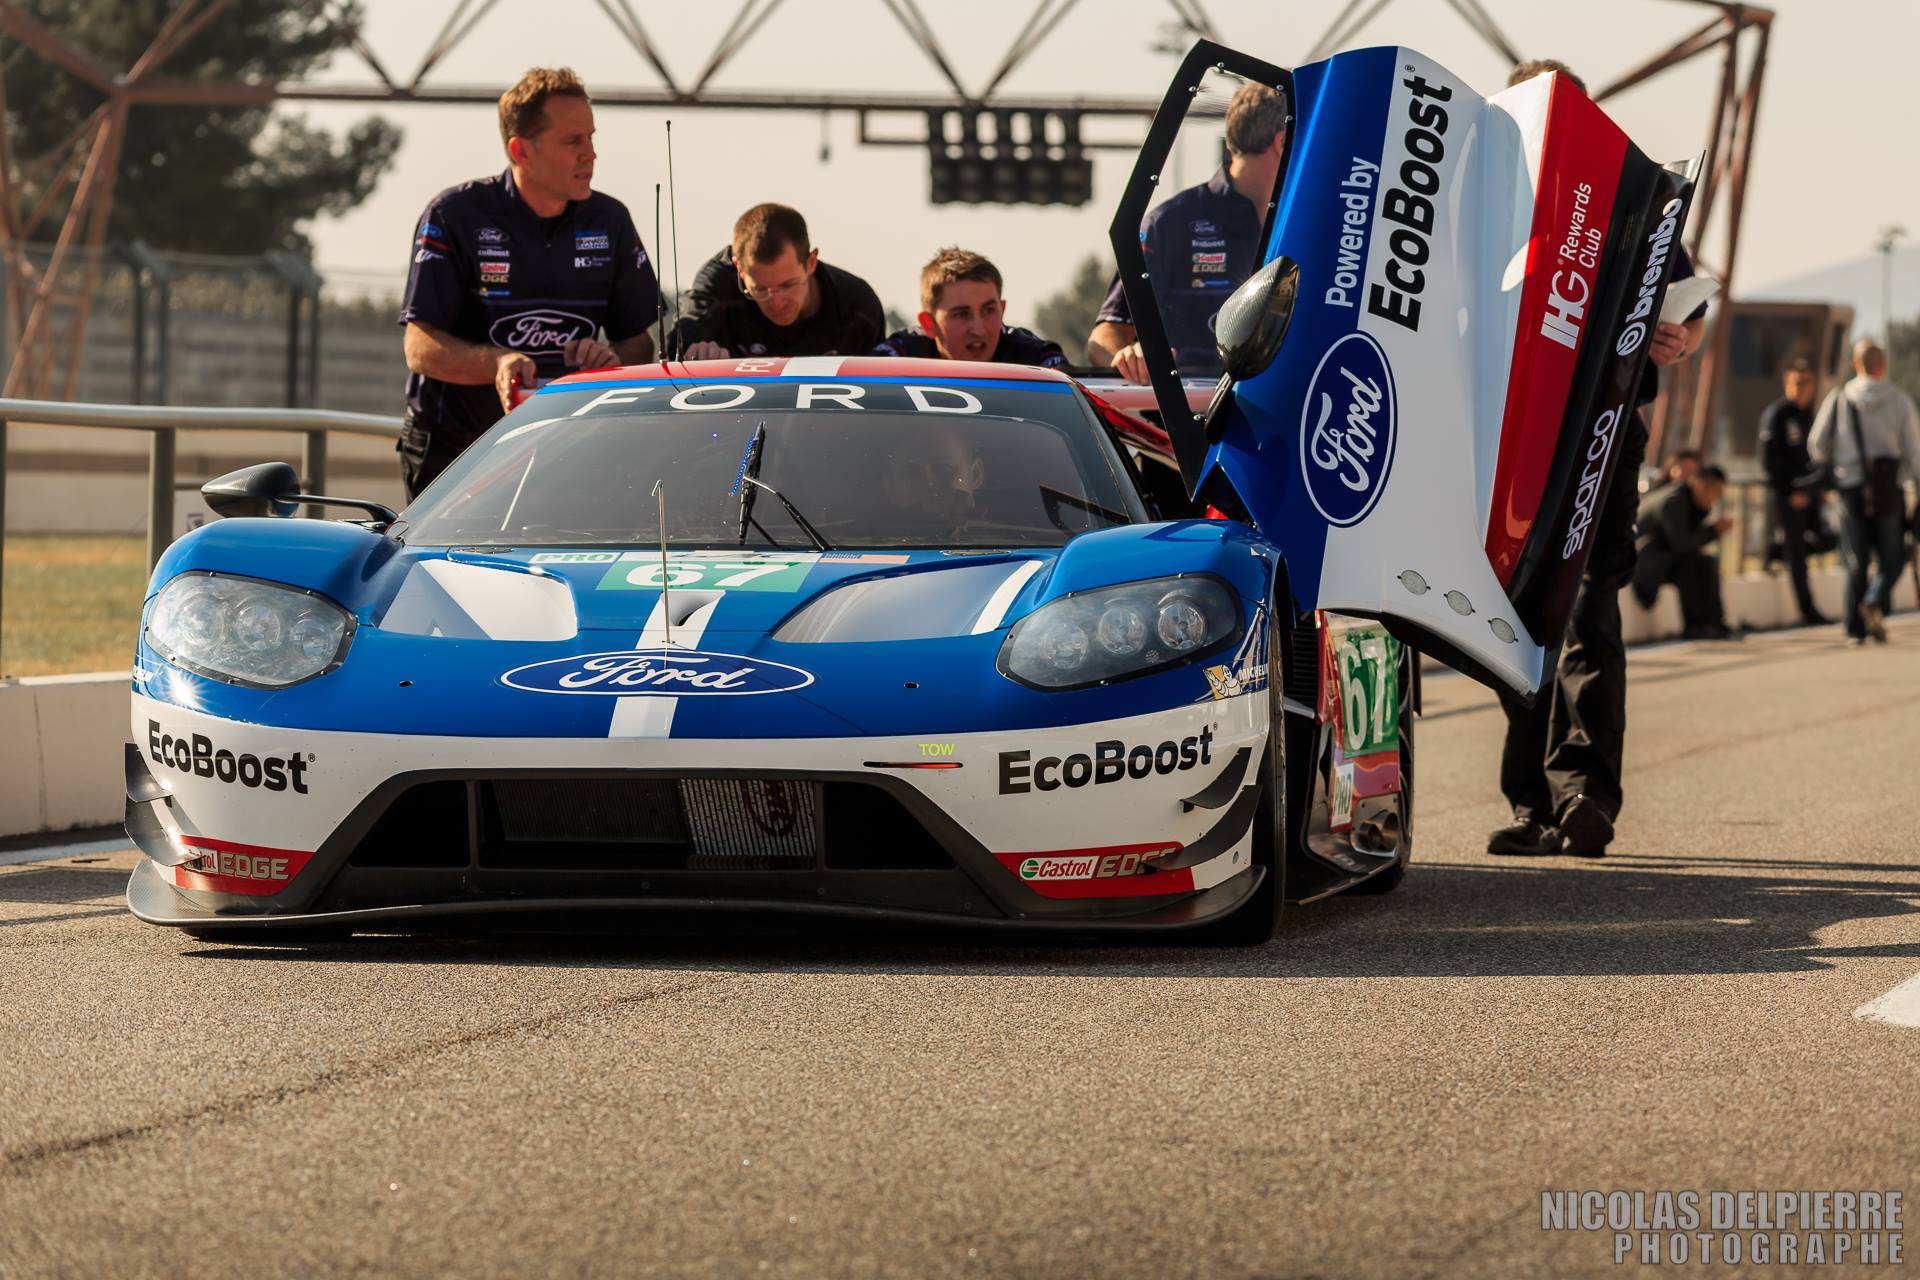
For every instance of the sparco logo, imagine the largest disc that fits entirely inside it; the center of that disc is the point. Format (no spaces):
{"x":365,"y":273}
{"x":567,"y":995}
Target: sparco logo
{"x":675,"y":673}
{"x":1347,"y":429}
{"x":1662,"y":238}
{"x":1587,"y":496}
{"x":1110,"y":762}
{"x":198,"y":756}
{"x":538,"y":330}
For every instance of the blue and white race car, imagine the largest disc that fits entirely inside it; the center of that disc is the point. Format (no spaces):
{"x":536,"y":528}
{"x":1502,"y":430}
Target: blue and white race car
{"x":901,"y":639}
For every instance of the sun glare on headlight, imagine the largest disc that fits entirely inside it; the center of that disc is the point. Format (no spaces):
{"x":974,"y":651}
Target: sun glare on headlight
{"x":247,"y":632}
{"x":1094,"y":636}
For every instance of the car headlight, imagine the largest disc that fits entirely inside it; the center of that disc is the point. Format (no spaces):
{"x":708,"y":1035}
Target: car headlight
{"x":1091,"y":637}
{"x":248,"y":632}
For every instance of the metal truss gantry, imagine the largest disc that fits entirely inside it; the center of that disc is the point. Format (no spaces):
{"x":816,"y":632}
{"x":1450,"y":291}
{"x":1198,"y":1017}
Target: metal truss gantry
{"x":85,"y":162}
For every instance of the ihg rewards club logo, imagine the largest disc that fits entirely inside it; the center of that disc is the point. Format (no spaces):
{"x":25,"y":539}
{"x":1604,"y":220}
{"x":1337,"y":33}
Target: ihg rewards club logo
{"x":1737,"y":1228}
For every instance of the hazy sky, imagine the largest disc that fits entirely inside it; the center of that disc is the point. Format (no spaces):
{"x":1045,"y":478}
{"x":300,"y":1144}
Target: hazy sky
{"x":1833,"y":163}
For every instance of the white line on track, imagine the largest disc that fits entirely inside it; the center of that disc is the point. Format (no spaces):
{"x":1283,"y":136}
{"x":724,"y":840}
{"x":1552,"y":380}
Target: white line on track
{"x":1900,"y":1007}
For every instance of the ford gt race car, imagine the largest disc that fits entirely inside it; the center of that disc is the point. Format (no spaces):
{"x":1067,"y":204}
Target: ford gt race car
{"x":903,"y":639}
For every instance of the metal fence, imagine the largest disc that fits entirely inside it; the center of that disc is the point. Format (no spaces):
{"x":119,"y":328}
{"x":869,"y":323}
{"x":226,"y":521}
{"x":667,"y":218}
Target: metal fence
{"x":165,"y":327}
{"x":163,"y":425}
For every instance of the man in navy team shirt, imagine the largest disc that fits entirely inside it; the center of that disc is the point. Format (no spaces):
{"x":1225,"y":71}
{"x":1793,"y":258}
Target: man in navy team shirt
{"x":963,"y":317}
{"x":515,"y":277}
{"x":1201,"y":243}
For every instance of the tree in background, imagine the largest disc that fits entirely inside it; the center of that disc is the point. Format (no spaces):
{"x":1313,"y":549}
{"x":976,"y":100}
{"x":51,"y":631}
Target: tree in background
{"x":1067,"y":317}
{"x":212,"y":179}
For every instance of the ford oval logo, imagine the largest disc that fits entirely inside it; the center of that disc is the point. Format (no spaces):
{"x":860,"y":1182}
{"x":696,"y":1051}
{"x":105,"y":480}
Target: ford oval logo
{"x":659,"y":672}
{"x":537,"y":331}
{"x":1347,"y":429}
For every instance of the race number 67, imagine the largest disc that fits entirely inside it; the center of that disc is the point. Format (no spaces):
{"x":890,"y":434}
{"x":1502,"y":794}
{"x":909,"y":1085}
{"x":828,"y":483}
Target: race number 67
{"x":684,"y":574}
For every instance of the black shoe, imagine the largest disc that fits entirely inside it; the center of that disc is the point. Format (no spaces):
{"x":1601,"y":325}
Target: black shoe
{"x":1815,"y":620}
{"x":1524,"y":839}
{"x":1585,"y":829}
{"x":1710,"y":631}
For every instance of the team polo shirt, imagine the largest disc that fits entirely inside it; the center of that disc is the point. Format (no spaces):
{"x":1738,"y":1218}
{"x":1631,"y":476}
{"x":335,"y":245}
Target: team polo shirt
{"x":1200,"y":246}
{"x":487,"y":268}
{"x":1016,"y":346}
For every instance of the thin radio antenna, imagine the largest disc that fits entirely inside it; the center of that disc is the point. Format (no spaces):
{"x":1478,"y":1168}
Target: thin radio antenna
{"x":666,"y":594}
{"x":659,"y":298}
{"x":673,"y":217}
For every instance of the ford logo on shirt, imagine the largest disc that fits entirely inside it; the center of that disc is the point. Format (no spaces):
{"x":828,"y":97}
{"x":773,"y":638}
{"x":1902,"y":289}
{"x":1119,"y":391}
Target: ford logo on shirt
{"x":657,"y":672}
{"x":1347,"y":429}
{"x":537,"y":331}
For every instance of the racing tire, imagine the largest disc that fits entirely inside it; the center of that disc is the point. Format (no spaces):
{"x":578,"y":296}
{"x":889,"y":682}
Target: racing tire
{"x":1389,"y":880}
{"x":1253,"y":923}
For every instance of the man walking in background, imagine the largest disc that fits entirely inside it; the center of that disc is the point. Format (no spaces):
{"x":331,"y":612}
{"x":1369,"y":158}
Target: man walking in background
{"x":1793,"y":482}
{"x":514,"y":278}
{"x":768,"y":294}
{"x":1202,"y":243}
{"x":1868,"y":433}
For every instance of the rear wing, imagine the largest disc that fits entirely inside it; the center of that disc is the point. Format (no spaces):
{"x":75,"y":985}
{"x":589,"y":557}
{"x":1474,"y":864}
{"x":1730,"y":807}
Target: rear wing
{"x":1478,"y":284}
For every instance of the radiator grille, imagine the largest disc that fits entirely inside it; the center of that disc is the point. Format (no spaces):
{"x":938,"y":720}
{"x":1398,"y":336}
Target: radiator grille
{"x":751,"y":823}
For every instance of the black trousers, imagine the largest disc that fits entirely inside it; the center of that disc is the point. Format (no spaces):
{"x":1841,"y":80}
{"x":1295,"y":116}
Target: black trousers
{"x":1880,"y":540}
{"x":1572,"y":740}
{"x":425,"y":451}
{"x":1794,"y":524}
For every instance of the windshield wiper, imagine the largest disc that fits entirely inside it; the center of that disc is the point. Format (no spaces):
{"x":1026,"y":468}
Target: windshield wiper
{"x":747,"y":484}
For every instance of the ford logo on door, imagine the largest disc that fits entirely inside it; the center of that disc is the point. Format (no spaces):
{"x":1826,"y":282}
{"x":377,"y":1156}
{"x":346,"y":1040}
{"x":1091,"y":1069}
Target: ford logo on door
{"x":1347,"y":429}
{"x":537,"y":331}
{"x":674,"y":673}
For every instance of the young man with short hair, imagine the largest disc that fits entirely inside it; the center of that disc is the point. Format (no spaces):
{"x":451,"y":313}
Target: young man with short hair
{"x":768,"y":294}
{"x":514,"y":277}
{"x":962,"y":317}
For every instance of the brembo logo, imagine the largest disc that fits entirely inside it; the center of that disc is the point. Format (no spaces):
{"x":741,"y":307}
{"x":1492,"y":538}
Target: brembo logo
{"x":198,"y":756}
{"x":538,"y":331}
{"x":1347,"y":429}
{"x":1662,"y":239}
{"x":674,"y":673}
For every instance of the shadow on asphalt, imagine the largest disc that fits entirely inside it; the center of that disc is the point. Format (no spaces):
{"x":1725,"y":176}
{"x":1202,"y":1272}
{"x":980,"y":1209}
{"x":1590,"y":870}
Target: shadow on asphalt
{"x":1632,"y":915}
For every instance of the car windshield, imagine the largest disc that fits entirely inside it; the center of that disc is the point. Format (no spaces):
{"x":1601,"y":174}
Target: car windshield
{"x":866,"y":465}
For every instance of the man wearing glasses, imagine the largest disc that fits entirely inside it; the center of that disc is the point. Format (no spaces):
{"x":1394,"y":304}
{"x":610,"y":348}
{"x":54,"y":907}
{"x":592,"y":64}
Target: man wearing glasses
{"x":768,"y":294}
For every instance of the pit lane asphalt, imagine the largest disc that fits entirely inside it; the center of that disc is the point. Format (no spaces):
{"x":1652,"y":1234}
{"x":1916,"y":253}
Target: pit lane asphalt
{"x":1384,"y":1090}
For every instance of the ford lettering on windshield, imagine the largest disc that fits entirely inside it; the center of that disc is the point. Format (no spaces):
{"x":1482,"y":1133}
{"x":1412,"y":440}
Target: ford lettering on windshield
{"x":659,"y":672}
{"x":1347,"y":429}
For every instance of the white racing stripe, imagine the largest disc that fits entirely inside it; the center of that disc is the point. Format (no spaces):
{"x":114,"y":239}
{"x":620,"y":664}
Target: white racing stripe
{"x":1900,"y":1007}
{"x":650,"y":715}
{"x":812,"y":367}
{"x":995,"y":610}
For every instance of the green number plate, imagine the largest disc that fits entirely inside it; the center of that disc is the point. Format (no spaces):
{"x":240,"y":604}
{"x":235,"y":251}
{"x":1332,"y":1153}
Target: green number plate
{"x":1366,"y":661}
